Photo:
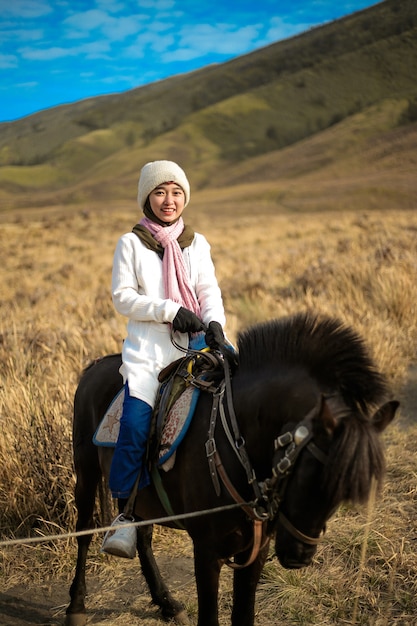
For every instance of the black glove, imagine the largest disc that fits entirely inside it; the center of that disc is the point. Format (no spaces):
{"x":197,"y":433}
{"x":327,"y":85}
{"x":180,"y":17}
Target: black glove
{"x":187,"y":322}
{"x":215,"y":336}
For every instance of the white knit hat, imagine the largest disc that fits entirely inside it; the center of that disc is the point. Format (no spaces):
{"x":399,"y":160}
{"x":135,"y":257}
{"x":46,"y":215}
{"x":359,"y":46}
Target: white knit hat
{"x":157,"y":172}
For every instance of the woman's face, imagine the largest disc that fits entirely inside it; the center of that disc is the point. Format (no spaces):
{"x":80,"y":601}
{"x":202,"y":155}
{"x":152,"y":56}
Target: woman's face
{"x":167,"y":202}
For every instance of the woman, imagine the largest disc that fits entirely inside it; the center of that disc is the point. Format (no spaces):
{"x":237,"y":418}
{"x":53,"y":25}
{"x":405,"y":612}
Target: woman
{"x":163,"y":281}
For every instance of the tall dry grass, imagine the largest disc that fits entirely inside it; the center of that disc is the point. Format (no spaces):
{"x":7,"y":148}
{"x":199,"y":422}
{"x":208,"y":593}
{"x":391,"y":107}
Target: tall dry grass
{"x":56,"y":315}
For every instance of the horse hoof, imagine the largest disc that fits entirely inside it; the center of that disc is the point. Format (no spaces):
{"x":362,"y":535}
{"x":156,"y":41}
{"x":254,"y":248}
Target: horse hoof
{"x":75,"y":619}
{"x":182,"y":618}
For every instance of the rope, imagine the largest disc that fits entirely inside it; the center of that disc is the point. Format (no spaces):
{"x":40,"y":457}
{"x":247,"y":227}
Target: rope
{"x":80,"y":533}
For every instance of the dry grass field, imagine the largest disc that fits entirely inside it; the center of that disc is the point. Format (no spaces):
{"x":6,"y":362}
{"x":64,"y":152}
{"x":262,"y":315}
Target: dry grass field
{"x":56,"y":315}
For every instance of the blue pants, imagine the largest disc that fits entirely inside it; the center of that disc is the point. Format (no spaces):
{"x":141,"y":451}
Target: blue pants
{"x":131,"y":446}
{"x":133,"y":438}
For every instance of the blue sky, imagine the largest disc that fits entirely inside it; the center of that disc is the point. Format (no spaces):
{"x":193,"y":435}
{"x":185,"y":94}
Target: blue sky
{"x":58,"y":51}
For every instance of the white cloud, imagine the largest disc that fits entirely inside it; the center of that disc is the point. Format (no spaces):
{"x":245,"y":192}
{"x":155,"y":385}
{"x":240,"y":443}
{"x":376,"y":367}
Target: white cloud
{"x":162,"y":45}
{"x":154,"y":37}
{"x":119,"y":28}
{"x":93,"y":50}
{"x":135,"y":51}
{"x":47,"y":54}
{"x":114,"y":80}
{"x":159,"y":27}
{"x":25,"y":8}
{"x":156,"y":5}
{"x":223,"y":39}
{"x":87,"y":20}
{"x":22,"y":35}
{"x":192,"y":42}
{"x":113,"y":6}
{"x":114,"y":28}
{"x":148,"y":41}
{"x":8,"y":61}
{"x":29,"y":85}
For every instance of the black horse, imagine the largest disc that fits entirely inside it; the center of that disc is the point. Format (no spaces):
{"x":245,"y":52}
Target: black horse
{"x":301,"y":436}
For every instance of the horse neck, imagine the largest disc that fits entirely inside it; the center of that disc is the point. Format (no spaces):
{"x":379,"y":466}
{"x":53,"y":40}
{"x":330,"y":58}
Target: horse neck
{"x":265,"y":406}
{"x":256,"y":431}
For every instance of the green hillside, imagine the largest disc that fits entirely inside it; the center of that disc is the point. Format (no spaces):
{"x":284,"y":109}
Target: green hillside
{"x":269,"y":127}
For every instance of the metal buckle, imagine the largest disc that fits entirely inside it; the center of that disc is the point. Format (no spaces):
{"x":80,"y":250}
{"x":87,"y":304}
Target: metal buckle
{"x":284,"y":465}
{"x":210,"y":447}
{"x":283,"y":440}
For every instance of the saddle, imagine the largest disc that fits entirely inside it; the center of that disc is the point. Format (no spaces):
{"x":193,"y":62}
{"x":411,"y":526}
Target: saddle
{"x":180,"y":385}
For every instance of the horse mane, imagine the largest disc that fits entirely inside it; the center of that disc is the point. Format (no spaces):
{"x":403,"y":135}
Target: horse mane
{"x":332,"y":353}
{"x":337,"y":358}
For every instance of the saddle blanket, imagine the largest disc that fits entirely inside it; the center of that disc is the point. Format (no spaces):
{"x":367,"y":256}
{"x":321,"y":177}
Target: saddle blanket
{"x":173,"y":432}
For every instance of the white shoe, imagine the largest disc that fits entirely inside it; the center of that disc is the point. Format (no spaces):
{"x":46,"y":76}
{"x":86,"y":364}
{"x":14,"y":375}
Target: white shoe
{"x":121,"y":541}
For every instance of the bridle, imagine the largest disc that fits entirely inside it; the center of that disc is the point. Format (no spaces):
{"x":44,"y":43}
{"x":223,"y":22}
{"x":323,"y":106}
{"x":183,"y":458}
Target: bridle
{"x":269,"y":494}
{"x":288,"y":448}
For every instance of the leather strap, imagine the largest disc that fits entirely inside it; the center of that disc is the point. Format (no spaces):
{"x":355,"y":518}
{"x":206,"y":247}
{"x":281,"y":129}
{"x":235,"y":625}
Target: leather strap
{"x":230,"y":487}
{"x":211,"y":450}
{"x":239,"y":440}
{"x":256,"y":546}
{"x":297,"y":534}
{"x":258,"y":525}
{"x":162,"y":495}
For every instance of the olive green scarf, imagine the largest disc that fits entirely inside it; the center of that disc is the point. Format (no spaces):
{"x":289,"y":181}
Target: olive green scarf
{"x":184,"y":240}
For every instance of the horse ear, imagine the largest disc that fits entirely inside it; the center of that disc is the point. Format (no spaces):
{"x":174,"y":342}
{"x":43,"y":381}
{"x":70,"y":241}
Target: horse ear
{"x":384,"y":415}
{"x":325,"y":416}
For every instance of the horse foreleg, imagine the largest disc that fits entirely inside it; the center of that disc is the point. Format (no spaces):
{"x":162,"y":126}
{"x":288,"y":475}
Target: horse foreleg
{"x":245,"y":582}
{"x":207,"y":572}
{"x":161,"y":596}
{"x":85,"y":491}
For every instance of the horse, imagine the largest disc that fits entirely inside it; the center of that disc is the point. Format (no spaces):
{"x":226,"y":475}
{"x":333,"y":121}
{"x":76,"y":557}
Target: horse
{"x":301,"y":417}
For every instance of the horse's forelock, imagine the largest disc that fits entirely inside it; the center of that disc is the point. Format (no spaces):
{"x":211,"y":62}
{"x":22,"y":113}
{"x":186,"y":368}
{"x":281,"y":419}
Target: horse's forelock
{"x":356,"y":459}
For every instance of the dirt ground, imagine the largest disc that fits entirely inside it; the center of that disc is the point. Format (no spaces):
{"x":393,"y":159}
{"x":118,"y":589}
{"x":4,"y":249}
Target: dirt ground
{"x":122,"y":598}
{"x":119,"y":598}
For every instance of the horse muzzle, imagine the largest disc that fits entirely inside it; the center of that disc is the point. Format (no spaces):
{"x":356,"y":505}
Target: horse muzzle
{"x":295,"y":556}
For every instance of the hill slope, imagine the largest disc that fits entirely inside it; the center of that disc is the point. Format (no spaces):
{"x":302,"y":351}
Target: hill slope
{"x":269,"y":127}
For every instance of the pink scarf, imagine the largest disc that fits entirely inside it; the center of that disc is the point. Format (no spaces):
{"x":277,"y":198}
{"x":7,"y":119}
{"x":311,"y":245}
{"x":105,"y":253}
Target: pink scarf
{"x":177,"y":284}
